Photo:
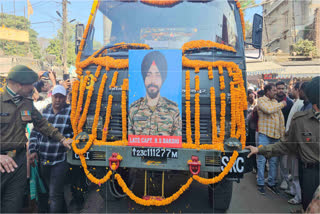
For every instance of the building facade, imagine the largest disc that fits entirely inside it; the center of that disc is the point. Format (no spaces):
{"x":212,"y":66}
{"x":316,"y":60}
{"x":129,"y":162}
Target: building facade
{"x":287,"y":21}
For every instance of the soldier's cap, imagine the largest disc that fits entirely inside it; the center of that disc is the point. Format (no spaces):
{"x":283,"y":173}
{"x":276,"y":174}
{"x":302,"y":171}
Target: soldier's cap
{"x":157,"y":58}
{"x":312,"y":91}
{"x":23,"y":75}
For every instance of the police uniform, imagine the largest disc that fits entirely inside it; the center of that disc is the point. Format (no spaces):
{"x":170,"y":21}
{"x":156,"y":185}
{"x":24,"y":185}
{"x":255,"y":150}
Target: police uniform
{"x":302,"y":139}
{"x":15,"y":112}
{"x":163,"y":119}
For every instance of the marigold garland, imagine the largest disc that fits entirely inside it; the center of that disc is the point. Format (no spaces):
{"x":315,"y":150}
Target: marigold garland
{"x":197,"y":83}
{"x":83,"y":85}
{"x":210,"y":73}
{"x":98,"y":106}
{"x":187,"y":85}
{"x":107,"y":120}
{"x":222,"y":85}
{"x":197,"y":118}
{"x":152,"y":202}
{"x":188,"y":122}
{"x":75,"y":89}
{"x":198,"y":44}
{"x":124,"y":111}
{"x":85,"y":148}
{"x":213,"y":116}
{"x":218,"y":178}
{"x":242,"y":19}
{"x":114,"y":80}
{"x":90,"y":176}
{"x":83,"y":117}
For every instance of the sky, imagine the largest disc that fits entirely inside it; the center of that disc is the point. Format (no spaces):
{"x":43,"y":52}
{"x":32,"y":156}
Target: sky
{"x":46,"y":21}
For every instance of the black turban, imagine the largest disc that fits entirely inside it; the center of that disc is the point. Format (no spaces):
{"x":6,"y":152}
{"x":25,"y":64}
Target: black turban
{"x":160,"y":61}
{"x":312,"y":91}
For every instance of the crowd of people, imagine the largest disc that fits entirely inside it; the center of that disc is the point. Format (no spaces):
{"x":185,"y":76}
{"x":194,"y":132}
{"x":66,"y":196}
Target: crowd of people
{"x":283,"y":133}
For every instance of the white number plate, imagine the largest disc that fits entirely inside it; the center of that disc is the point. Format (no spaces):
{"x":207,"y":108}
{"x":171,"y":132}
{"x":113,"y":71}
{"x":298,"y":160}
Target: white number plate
{"x":154,"y":152}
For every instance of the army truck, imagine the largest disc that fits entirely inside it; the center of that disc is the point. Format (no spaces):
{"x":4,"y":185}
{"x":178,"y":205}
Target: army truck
{"x":211,"y":36}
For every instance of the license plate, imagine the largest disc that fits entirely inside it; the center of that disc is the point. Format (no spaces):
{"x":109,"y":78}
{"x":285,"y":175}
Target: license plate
{"x":237,"y":169}
{"x":154,"y":152}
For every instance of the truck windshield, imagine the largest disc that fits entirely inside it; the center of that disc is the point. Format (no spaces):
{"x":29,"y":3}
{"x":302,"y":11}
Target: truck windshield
{"x":163,"y":27}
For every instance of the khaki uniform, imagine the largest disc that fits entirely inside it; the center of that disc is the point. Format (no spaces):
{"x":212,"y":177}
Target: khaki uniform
{"x":163,"y":120}
{"x":303,"y":140}
{"x":13,"y":121}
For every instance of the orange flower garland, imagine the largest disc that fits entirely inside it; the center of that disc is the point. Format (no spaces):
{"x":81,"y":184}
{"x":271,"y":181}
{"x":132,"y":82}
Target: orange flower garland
{"x":114,"y":80}
{"x":210,"y":73}
{"x":187,"y":85}
{"x":222,"y":85}
{"x":197,"y":83}
{"x":124,"y":111}
{"x":83,"y":117}
{"x":85,"y":148}
{"x":75,"y":89}
{"x":213,"y":115}
{"x":221,"y":175}
{"x":188,"y":122}
{"x":90,"y":176}
{"x":197,"y":118}
{"x":198,"y":44}
{"x":242,"y":19}
{"x":107,"y":121}
{"x":83,"y":85}
{"x":152,"y":202}
{"x":98,"y":106}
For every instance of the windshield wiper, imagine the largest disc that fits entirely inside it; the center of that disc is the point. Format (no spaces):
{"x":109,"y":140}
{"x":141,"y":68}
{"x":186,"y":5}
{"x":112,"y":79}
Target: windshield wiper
{"x":123,"y":47}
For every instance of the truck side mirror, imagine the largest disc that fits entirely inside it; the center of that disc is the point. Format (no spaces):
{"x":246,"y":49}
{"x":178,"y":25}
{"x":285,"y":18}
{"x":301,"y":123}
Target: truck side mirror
{"x":257,"y":31}
{"x":79,"y":33}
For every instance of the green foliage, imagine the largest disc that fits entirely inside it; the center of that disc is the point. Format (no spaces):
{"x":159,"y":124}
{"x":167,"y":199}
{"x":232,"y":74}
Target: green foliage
{"x":14,"y":48}
{"x":247,"y":3}
{"x":56,"y":44}
{"x":304,"y":48}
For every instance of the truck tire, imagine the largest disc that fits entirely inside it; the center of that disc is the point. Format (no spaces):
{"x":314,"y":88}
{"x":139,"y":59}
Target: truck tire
{"x":220,"y":195}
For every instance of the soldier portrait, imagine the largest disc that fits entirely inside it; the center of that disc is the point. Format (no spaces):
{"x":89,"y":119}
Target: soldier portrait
{"x":154,"y":114}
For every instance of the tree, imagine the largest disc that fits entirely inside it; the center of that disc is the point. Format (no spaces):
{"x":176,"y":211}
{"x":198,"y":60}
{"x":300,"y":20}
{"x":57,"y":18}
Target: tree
{"x":305,"y":48}
{"x":55,"y":46}
{"x":19,"y":48}
{"x":247,"y":3}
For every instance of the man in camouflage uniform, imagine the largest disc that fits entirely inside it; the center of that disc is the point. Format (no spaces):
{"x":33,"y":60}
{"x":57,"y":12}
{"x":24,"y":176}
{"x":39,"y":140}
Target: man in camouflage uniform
{"x":154,"y":114}
{"x":16,"y":110}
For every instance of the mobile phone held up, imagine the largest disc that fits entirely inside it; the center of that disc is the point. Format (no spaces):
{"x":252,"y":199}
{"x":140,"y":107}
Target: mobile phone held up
{"x":66,"y":76}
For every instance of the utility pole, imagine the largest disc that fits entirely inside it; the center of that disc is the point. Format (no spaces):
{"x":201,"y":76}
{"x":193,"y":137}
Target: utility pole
{"x":64,"y":32}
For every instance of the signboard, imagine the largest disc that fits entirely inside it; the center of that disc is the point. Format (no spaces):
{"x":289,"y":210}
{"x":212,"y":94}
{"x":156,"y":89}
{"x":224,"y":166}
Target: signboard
{"x":14,"y":34}
{"x":155,"y":83}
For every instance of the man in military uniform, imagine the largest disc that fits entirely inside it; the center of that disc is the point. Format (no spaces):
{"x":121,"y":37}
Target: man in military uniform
{"x":303,"y":140}
{"x":16,"y":110}
{"x":154,"y":114}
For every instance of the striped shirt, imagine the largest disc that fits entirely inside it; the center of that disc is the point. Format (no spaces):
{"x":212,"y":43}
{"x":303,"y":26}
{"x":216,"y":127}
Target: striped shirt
{"x":271,"y":120}
{"x":50,"y":151}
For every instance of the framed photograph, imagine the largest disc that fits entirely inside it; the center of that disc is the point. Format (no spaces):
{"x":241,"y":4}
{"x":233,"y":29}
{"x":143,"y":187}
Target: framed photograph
{"x":155,"y":81}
